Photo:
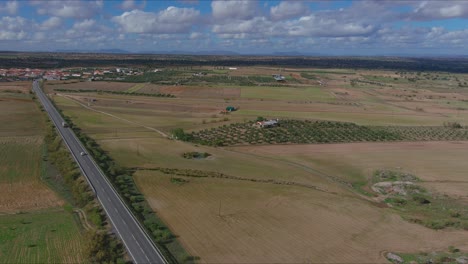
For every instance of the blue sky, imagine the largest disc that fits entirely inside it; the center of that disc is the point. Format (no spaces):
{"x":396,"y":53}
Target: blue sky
{"x":366,"y":27}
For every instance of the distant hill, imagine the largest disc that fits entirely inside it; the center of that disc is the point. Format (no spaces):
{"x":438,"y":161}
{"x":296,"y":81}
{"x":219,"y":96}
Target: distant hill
{"x":116,"y":51}
{"x":184,"y":52}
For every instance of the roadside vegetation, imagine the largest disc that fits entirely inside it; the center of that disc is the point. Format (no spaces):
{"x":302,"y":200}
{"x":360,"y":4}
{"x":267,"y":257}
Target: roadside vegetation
{"x":100,"y":244}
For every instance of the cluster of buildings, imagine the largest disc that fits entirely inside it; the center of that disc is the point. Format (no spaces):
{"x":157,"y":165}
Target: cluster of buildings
{"x":64,"y":74}
{"x":21,"y":74}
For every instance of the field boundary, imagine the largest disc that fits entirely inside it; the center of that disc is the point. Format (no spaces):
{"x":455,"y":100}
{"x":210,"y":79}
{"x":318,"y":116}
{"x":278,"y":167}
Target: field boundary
{"x":114,"y":116}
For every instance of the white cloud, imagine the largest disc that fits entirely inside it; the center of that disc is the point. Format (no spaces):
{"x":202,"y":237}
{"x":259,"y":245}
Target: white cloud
{"x":10,"y":7}
{"x":170,"y":20}
{"x":12,"y":28}
{"x":288,"y":9}
{"x":51,"y":23}
{"x":431,"y":10}
{"x":227,"y":10}
{"x":69,"y":8}
{"x":131,"y":4}
{"x":255,"y":25}
{"x":86,"y":24}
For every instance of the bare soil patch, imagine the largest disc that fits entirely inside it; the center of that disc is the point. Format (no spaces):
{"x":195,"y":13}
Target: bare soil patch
{"x":39,"y":196}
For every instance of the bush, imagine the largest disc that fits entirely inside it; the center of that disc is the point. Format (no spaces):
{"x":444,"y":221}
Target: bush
{"x":178,"y":133}
{"x":421,"y":199}
{"x":452,"y":125}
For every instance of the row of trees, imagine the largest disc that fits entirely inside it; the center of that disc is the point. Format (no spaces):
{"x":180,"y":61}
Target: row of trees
{"x":113,"y":92}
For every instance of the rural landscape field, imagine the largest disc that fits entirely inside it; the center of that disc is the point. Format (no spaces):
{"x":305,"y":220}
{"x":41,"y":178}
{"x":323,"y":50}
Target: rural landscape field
{"x":35,"y":226}
{"x":358,"y":165}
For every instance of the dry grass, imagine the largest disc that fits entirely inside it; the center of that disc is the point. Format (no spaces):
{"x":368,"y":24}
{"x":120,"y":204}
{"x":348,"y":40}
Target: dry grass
{"x":106,"y":86}
{"x":441,"y":165}
{"x":19,"y":115}
{"x":227,"y":221}
{"x":20,"y":172}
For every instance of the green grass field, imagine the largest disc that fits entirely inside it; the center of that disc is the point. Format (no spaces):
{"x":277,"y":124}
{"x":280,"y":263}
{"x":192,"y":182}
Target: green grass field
{"x":285,"y":93}
{"x":48,"y":236}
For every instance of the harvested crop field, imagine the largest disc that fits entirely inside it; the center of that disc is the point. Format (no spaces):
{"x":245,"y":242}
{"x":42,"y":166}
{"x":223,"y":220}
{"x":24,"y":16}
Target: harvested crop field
{"x":266,"y":223}
{"x":21,"y":166}
{"x":20,"y":115}
{"x":15,"y":87}
{"x":440,"y":165}
{"x":76,"y":85}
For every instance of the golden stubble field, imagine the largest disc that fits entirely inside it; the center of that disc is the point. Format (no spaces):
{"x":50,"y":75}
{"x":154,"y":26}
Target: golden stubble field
{"x":227,"y":221}
{"x":247,"y":218}
{"x":440,"y":165}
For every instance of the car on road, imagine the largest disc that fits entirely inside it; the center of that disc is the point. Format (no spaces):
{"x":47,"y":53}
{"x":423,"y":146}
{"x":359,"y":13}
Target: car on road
{"x":83,"y":153}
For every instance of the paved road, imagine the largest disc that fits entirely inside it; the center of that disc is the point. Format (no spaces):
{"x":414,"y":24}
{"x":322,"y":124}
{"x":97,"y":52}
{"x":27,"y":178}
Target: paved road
{"x":140,"y":247}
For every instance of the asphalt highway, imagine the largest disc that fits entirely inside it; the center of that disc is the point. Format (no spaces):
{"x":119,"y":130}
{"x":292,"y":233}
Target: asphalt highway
{"x":138,"y":244}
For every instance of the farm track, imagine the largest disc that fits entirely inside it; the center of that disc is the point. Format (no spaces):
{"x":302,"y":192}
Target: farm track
{"x":114,"y":116}
{"x":387,"y":102}
{"x":83,"y":219}
{"x":224,"y":176}
{"x":347,"y":185}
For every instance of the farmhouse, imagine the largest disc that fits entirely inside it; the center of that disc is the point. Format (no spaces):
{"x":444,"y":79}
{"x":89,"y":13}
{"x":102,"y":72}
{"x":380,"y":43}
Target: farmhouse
{"x":278,"y":77}
{"x":268,"y":123}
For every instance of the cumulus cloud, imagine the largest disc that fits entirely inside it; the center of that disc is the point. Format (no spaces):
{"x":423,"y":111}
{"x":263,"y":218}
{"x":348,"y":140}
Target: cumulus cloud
{"x":429,"y":10}
{"x":10,"y":7}
{"x":12,"y":28}
{"x":131,"y":4}
{"x":170,"y":20}
{"x":288,"y":9}
{"x":228,"y":10}
{"x":69,"y":8}
{"x":328,"y":27}
{"x":51,"y":23}
{"x":86,"y":24}
{"x":255,"y":25}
